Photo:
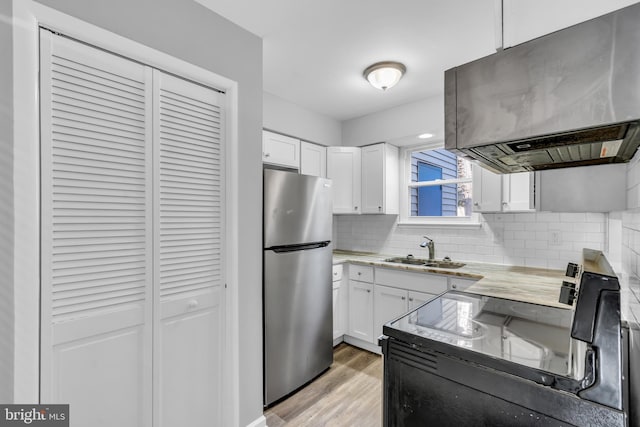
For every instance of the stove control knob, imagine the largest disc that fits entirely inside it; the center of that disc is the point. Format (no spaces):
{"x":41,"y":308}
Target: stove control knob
{"x":567,"y":293}
{"x":572,"y":270}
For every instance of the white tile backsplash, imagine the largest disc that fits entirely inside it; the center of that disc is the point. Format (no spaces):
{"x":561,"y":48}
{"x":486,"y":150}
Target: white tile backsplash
{"x":505,"y":238}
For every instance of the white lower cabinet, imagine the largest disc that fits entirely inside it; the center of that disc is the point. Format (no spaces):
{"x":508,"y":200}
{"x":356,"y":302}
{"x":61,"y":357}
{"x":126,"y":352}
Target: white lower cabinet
{"x":390,"y":303}
{"x":339,"y":305}
{"x":372,"y":303}
{"x":361,"y":310}
{"x":416,"y":299}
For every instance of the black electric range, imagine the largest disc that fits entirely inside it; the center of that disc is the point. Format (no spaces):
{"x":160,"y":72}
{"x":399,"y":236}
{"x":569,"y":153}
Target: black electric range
{"x":464,"y":359}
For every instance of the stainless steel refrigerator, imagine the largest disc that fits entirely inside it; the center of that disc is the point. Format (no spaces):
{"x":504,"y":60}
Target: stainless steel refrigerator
{"x":297,"y":293}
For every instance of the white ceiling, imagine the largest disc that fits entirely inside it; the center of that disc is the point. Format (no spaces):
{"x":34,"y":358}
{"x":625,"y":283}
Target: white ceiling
{"x":315,"y":51}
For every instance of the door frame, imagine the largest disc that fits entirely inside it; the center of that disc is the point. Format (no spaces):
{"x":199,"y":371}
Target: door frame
{"x":28,"y":16}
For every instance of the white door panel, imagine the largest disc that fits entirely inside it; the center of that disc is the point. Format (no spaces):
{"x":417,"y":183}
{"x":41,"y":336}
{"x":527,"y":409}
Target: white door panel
{"x":189,"y":276}
{"x":190,"y":363}
{"x":96,"y":232}
{"x":107,"y":367}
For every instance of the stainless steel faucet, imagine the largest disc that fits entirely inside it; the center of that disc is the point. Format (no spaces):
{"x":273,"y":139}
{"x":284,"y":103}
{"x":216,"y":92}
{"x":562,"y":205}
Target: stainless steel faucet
{"x":431,"y":246}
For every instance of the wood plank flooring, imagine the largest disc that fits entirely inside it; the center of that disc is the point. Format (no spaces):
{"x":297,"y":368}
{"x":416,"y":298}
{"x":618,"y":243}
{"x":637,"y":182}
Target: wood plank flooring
{"x":348,"y":394}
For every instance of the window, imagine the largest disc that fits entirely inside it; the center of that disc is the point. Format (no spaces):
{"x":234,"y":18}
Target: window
{"x":438,"y":186}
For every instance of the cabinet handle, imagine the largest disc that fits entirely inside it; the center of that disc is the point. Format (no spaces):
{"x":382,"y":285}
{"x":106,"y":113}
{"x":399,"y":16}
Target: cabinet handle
{"x":267,"y":154}
{"x":192,"y":304}
{"x":355,"y":208}
{"x":454,"y":286}
{"x":359,"y":273}
{"x":476,"y":204}
{"x":368,"y":290}
{"x":410,"y":299}
{"x":403,"y":298}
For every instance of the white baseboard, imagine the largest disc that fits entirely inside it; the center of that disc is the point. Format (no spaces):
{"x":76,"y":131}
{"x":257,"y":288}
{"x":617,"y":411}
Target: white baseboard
{"x":338,"y":340}
{"x":258,"y":422}
{"x":357,"y":342}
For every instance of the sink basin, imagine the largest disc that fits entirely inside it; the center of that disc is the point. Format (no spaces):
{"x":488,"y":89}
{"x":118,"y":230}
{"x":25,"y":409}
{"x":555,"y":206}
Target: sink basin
{"x":421,"y":261}
{"x":405,"y":260}
{"x":444,"y":264}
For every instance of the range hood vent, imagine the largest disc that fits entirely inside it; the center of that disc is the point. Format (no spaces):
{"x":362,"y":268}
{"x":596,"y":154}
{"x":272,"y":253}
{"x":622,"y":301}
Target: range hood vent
{"x":571,"y":98}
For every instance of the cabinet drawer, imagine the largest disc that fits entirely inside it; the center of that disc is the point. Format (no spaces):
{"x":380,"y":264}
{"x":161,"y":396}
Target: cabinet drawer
{"x":419,"y":282}
{"x":362,"y":273}
{"x":337,"y":272}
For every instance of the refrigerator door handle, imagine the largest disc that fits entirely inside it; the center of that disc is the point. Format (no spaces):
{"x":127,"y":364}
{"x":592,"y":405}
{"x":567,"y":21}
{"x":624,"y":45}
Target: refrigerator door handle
{"x":302,"y":247}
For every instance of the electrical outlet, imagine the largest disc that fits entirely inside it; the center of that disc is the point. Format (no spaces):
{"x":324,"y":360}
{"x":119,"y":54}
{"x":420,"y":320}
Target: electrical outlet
{"x":556,"y":238}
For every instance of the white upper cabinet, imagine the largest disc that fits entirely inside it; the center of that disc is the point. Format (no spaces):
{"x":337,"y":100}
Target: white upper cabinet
{"x":503,"y":193}
{"x":487,"y":190}
{"x":518,"y":192}
{"x":313,"y":159}
{"x":280,"y":150}
{"x":523,"y":21}
{"x":344,"y":168}
{"x":380,"y":179}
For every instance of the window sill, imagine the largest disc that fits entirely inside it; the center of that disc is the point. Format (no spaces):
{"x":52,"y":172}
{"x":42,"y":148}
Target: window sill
{"x":440,"y":224}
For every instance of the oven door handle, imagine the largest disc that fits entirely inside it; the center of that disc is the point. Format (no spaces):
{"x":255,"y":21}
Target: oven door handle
{"x":590,"y":364}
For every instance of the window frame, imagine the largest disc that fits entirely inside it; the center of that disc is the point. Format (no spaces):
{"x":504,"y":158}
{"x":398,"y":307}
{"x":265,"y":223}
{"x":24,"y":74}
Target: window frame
{"x":405,"y":218}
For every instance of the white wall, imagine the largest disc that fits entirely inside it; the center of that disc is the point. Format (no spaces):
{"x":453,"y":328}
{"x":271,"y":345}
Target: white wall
{"x":6,"y":205}
{"x":526,"y":20}
{"x":291,"y":119}
{"x":396,"y":124}
{"x":513,"y":239}
{"x":192,"y":33}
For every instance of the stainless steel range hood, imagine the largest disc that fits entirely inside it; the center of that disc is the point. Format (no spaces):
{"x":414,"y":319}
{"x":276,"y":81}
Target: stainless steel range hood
{"x":570,"y":98}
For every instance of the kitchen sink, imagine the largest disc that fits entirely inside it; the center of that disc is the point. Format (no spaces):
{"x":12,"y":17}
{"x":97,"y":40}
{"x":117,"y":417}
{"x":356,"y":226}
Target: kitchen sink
{"x":444,"y":263}
{"x":405,"y":260}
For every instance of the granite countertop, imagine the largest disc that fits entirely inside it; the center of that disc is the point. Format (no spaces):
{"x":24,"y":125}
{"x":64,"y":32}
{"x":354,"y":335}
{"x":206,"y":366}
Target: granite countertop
{"x":535,"y":285}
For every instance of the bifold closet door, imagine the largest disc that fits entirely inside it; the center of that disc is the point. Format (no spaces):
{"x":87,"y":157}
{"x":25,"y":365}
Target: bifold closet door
{"x":132,"y":195}
{"x":96,"y":234}
{"x":189,"y":274}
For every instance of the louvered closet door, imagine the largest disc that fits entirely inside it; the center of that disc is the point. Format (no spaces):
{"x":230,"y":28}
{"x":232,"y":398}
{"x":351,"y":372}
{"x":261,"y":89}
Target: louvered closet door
{"x":188,"y":242}
{"x":96,"y":234}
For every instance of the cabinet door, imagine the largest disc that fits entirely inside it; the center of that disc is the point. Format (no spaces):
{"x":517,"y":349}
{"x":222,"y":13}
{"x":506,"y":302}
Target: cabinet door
{"x":361,"y":310}
{"x":487,"y":190}
{"x":389,"y":303}
{"x":344,"y":168}
{"x":518,"y":192}
{"x":373,"y":176}
{"x":416,"y":299}
{"x":380,"y":179}
{"x":280,"y":150}
{"x":338,"y":328}
{"x":313,"y":159}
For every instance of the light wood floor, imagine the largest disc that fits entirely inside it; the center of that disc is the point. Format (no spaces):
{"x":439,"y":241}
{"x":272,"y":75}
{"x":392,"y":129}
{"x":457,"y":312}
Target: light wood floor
{"x":348,"y":394}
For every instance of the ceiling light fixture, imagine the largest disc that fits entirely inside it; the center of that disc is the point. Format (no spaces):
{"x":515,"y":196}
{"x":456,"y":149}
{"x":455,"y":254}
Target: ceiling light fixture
{"x":383,"y":75}
{"x":425,"y":135}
